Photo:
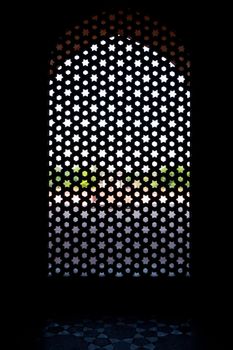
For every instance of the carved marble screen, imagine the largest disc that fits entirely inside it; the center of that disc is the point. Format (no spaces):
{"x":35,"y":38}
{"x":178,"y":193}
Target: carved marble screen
{"x":119,"y":150}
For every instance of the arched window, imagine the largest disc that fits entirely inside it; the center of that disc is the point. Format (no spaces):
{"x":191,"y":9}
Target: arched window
{"x":119,"y":150}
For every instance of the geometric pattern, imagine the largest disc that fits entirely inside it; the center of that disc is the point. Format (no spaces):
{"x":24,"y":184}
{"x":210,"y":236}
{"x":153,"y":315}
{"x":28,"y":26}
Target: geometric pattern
{"x":119,"y":151}
{"x":116,"y":334}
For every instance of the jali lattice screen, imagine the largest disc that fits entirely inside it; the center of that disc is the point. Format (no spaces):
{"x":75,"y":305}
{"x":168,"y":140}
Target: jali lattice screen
{"x":119,"y":150}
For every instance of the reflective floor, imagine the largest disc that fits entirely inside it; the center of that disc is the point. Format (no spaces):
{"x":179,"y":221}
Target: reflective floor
{"x":116,"y":334}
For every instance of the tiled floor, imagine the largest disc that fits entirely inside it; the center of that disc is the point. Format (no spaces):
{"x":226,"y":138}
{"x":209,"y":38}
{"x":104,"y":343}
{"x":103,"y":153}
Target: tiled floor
{"x":116,"y":334}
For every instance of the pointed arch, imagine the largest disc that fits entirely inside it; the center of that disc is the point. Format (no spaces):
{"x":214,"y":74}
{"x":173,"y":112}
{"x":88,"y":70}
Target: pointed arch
{"x":119,"y":150}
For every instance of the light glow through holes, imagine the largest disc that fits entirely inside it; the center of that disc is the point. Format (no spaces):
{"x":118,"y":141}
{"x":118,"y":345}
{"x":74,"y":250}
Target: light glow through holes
{"x":119,"y":164}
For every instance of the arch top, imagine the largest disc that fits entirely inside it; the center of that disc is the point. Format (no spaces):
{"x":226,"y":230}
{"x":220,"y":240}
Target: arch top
{"x":126,"y":23}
